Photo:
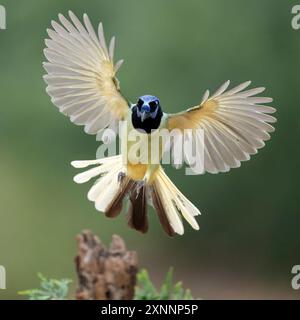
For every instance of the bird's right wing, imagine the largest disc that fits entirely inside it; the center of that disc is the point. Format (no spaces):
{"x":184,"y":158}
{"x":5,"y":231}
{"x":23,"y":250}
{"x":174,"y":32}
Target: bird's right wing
{"x":81,"y":74}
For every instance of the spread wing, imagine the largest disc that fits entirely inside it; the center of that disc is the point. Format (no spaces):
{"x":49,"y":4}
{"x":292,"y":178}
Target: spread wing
{"x":81,"y":74}
{"x":235,"y":124}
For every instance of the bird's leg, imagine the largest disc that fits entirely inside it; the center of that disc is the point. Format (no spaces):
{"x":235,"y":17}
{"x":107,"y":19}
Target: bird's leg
{"x":149,"y":173}
{"x":121,"y":176}
{"x":139,"y":186}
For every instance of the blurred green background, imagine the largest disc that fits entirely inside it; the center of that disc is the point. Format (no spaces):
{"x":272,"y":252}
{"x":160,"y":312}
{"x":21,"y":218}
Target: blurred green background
{"x":249,"y":237}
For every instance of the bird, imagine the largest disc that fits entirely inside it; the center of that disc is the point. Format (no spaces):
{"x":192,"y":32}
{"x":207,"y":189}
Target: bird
{"x":81,"y":81}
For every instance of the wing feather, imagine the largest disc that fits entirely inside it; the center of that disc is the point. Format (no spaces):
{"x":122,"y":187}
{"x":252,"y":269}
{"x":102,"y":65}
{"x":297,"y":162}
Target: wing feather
{"x":235,"y":122}
{"x":81,"y":74}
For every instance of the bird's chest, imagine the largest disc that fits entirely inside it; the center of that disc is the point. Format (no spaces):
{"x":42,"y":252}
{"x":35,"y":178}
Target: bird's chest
{"x":140,"y":150}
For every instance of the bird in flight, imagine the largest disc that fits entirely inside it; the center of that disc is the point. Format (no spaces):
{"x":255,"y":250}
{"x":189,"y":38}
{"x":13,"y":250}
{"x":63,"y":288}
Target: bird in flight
{"x":81,"y":81}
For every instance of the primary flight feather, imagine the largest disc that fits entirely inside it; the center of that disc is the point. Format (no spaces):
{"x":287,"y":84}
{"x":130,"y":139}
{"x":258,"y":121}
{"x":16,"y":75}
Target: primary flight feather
{"x":82,"y":83}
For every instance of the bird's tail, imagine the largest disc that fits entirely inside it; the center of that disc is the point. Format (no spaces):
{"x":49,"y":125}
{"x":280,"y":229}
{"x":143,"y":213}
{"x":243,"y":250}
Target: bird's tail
{"x":115,"y":192}
{"x":170,"y":204}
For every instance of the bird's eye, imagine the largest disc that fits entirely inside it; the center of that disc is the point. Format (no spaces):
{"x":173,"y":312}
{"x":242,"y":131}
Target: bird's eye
{"x":140,"y":103}
{"x":153,"y":105}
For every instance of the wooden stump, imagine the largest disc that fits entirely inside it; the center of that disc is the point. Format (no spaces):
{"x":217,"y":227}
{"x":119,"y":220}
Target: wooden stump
{"x":104,"y":273}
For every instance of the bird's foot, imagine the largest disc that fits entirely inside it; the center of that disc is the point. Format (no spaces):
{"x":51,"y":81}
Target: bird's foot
{"x":121,"y":176}
{"x":139,"y":186}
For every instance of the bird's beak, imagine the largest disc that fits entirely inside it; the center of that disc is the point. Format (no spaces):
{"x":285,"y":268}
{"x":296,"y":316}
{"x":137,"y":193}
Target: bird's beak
{"x":145,"y":115}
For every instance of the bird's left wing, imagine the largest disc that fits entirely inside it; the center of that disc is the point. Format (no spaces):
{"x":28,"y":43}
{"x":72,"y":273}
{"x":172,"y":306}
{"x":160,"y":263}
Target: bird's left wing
{"x":235,"y":124}
{"x":81,"y":74}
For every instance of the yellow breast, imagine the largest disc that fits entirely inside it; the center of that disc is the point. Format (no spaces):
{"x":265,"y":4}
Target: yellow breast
{"x":136,"y":171}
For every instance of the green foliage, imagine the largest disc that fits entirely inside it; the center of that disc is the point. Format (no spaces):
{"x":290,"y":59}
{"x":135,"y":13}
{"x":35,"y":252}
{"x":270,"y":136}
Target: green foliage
{"x":51,"y":289}
{"x":145,"y":290}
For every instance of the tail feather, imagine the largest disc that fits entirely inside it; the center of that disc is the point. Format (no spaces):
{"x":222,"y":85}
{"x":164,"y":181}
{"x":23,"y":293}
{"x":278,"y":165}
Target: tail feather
{"x":110,"y":192}
{"x":180,"y":202}
{"x":138,"y":211}
{"x":161,"y":212}
{"x":172,"y":204}
{"x":167,"y":200}
{"x":116,"y":205}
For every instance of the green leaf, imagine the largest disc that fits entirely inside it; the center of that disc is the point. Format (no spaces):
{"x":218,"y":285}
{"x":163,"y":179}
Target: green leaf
{"x":51,"y":289}
{"x":166,"y":289}
{"x":178,"y":291}
{"x":188,"y":295}
{"x":145,"y":290}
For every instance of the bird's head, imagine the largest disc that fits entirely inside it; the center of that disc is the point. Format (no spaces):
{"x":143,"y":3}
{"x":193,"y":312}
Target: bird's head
{"x":147,"y":113}
{"x":147,"y":107}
